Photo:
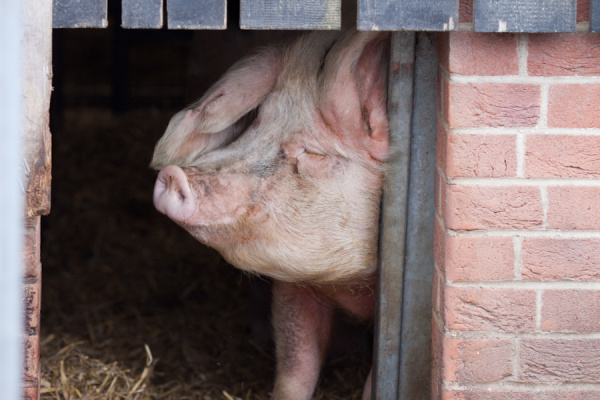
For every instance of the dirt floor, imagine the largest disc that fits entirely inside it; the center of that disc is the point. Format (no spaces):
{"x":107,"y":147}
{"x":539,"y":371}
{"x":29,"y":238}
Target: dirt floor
{"x":133,"y":307}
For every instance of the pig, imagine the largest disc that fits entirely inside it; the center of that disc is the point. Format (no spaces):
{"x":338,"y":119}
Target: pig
{"x":279,"y":167}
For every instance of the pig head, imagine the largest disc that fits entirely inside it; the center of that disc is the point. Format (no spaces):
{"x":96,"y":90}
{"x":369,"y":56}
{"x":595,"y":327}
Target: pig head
{"x":279,"y":167}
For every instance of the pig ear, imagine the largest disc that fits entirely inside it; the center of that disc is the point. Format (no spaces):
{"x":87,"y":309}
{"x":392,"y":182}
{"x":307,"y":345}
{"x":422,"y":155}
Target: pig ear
{"x":355,"y":92}
{"x":219,"y":116}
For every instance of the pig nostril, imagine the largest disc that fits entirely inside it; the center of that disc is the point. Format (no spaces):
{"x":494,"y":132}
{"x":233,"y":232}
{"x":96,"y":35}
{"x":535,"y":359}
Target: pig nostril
{"x":181,"y":196}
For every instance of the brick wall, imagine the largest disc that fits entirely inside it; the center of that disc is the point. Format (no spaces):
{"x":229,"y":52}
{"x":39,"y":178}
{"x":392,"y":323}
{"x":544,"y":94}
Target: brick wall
{"x":32,"y":297}
{"x":517,"y":239}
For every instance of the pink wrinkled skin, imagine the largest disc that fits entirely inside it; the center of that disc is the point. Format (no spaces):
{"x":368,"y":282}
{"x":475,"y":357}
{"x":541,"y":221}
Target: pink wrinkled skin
{"x":279,"y":167}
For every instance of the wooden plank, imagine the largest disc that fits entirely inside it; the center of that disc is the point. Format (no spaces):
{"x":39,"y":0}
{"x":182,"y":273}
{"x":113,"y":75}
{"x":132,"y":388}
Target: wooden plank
{"x":36,"y":170}
{"x":290,"y":14}
{"x":11,"y":200}
{"x":524,"y":15}
{"x":412,"y":15}
{"x":37,"y":72}
{"x":80,"y":14}
{"x":138,"y":14}
{"x":595,"y":16}
{"x":393,"y":219}
{"x":197,"y":14}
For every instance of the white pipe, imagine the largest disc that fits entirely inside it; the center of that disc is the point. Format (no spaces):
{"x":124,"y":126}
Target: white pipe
{"x":11,"y":200}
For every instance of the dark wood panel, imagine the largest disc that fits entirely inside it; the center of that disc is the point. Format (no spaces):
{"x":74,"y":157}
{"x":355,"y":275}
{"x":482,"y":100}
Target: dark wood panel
{"x":142,"y":14}
{"x":413,"y":15}
{"x":290,"y":14}
{"x":196,"y":14}
{"x":524,"y":15}
{"x":595,"y":16}
{"x":80,"y":14}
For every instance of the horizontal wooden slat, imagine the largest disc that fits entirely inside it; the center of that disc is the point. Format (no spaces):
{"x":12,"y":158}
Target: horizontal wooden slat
{"x":413,"y":15}
{"x":80,"y":14}
{"x":142,"y":14}
{"x":524,"y":15}
{"x":290,"y":14}
{"x":595,"y":16}
{"x":197,"y":14}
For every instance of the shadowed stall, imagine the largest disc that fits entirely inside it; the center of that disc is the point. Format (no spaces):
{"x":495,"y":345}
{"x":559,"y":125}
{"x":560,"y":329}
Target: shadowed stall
{"x":133,"y":307}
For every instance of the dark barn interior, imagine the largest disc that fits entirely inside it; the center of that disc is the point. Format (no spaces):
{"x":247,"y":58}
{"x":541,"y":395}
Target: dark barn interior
{"x":133,"y":307}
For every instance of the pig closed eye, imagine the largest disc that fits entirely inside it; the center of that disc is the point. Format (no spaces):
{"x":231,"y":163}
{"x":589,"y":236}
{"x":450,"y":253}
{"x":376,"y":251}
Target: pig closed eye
{"x":313,"y":164}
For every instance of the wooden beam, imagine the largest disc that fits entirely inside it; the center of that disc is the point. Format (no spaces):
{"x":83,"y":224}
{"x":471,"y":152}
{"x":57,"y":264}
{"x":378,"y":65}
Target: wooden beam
{"x":197,"y":14}
{"x":290,"y":14}
{"x":37,"y":76}
{"x":412,"y":15}
{"x":80,"y":14}
{"x":138,"y":14}
{"x":524,"y":15}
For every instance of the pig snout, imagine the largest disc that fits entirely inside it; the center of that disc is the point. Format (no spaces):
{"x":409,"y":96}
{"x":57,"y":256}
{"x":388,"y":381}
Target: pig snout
{"x":173,"y":195}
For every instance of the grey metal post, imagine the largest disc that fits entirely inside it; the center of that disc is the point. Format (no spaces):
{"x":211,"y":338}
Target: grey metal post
{"x":11,"y":200}
{"x":393,"y":219}
{"x":414,"y":372}
{"x":403,"y":326}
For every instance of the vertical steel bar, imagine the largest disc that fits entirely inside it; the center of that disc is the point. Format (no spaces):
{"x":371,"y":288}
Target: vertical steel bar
{"x":11,"y":199}
{"x":414,"y":374}
{"x":393,"y":219}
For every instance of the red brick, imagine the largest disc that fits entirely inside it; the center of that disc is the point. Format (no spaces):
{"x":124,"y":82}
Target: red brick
{"x":31,"y":358}
{"x":443,"y":48}
{"x":583,"y":14}
{"x":571,"y":311}
{"x":31,"y":392}
{"x":546,"y":259}
{"x":465,"y":11}
{"x":493,"y":105}
{"x":564,"y":54}
{"x":443,"y":95}
{"x":32,"y":307}
{"x":574,"y":106}
{"x":436,"y":359}
{"x":572,"y":207}
{"x":476,"y":395}
{"x":562,"y":156}
{"x":572,"y":395}
{"x":436,"y":290}
{"x":483,"y":156}
{"x":439,"y":243}
{"x":469,"y":54}
{"x":31,"y":250}
{"x":476,"y":360}
{"x":489,"y":309}
{"x":437,"y":192}
{"x":560,"y":360}
{"x":484,"y":207}
{"x":441,"y":148}
{"x":479,"y":258}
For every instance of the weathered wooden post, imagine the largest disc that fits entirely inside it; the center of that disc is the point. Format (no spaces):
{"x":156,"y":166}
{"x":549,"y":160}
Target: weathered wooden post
{"x":36,"y":171}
